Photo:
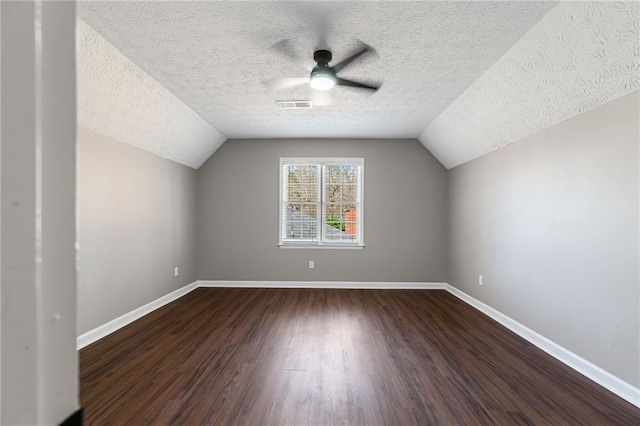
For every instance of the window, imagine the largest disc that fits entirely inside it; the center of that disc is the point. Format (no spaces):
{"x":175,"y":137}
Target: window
{"x":321,"y":202}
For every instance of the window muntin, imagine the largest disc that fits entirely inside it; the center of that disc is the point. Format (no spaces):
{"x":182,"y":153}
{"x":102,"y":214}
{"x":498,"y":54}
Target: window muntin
{"x":321,"y":201}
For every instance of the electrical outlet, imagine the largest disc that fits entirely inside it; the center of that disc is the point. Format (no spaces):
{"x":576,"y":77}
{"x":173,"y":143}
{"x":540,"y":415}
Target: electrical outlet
{"x":175,"y":271}
{"x":480,"y":279}
{"x":311,"y":264}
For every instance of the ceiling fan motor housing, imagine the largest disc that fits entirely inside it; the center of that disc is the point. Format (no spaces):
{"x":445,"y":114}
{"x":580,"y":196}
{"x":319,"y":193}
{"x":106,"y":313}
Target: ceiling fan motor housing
{"x":322,"y":57}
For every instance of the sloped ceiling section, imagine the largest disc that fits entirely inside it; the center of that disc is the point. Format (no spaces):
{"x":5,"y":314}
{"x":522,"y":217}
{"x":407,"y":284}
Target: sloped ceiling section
{"x":579,"y":56}
{"x":118,"y":99}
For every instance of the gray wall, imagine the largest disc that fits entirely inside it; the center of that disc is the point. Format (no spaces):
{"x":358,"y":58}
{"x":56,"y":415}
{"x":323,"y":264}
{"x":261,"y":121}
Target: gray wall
{"x":136,"y":222}
{"x":405,"y":214}
{"x":552,"y":224}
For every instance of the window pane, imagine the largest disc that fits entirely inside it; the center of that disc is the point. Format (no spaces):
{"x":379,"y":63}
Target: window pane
{"x":341,"y":222}
{"x":301,"y":182}
{"x":301,"y":222}
{"x":341,"y":183}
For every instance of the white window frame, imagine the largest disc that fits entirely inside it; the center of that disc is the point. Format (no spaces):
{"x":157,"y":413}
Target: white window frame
{"x":319,"y":243}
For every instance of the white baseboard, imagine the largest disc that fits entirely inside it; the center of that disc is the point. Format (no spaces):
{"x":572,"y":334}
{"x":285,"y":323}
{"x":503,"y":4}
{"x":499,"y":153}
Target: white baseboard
{"x":325,"y":284}
{"x":605,"y":379}
{"x":99,"y":332}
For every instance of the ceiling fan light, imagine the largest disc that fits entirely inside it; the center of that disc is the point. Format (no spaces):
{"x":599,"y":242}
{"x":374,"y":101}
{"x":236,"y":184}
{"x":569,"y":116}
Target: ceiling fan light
{"x":322,"y":78}
{"x":322,"y":82}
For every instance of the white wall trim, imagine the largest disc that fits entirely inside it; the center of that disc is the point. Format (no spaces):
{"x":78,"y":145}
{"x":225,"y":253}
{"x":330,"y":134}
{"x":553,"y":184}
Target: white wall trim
{"x":99,"y":332}
{"x":325,"y":284}
{"x":605,"y":379}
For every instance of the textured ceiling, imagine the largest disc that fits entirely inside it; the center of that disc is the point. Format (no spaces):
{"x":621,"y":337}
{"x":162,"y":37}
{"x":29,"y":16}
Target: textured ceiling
{"x":215,"y":55}
{"x":118,"y":99}
{"x":464,"y":77}
{"x":580,"y":56}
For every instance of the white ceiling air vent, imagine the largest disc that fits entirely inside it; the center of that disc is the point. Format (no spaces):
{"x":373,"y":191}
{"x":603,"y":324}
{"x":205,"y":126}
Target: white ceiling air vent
{"x":294,"y":104}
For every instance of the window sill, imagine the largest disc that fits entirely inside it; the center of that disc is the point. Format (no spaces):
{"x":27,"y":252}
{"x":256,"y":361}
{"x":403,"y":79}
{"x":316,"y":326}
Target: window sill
{"x":321,"y":246}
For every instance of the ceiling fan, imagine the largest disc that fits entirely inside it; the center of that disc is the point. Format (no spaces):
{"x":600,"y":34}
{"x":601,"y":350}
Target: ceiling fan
{"x":323,"y":76}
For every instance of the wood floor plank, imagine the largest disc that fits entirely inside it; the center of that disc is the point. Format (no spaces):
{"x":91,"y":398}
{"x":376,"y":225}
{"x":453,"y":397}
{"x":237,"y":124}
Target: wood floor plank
{"x":331,"y":357}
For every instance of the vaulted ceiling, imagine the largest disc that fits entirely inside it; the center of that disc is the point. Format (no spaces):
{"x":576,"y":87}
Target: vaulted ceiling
{"x":466,"y":78}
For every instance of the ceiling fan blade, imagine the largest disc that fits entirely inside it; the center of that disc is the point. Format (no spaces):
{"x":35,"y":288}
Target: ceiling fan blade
{"x":320,"y":98}
{"x":343,"y":82}
{"x":285,"y":83}
{"x":350,"y":59}
{"x":319,"y":22}
{"x":287,"y":49}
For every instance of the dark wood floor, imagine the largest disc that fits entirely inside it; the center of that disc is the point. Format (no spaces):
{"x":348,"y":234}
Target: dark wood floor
{"x":331,"y":357}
